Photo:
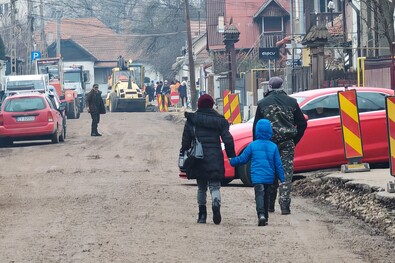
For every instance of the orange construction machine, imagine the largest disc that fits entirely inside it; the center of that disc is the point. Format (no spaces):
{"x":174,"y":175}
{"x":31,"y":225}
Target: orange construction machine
{"x":54,"y":68}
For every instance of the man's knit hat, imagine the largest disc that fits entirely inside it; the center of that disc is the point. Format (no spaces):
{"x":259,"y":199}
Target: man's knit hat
{"x":205,"y":102}
{"x":275,"y":83}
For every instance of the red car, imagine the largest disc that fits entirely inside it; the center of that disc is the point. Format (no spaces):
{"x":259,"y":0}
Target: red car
{"x":322,"y":144}
{"x":31,"y":116}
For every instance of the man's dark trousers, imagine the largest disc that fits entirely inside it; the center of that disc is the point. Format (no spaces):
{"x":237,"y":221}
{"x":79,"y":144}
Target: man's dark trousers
{"x":95,"y":121}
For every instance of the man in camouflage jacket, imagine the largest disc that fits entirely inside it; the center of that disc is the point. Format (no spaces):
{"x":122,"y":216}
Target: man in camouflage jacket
{"x":288,"y":124}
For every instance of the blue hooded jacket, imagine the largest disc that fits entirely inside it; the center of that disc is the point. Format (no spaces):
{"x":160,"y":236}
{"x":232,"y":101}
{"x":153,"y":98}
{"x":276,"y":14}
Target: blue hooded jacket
{"x":264,"y":155}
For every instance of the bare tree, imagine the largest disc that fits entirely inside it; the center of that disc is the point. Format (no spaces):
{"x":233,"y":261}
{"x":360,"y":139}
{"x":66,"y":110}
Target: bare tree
{"x":158,"y":26}
{"x":379,"y":18}
{"x":163,"y":34}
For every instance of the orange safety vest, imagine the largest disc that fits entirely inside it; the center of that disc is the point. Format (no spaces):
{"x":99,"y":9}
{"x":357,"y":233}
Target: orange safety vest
{"x":173,"y":87}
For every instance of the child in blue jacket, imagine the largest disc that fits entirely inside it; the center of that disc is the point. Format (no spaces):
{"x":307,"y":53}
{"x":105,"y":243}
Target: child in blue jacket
{"x":265,"y":166}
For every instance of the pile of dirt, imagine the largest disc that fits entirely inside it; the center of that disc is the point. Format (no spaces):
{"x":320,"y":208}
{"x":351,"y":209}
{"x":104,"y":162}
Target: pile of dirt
{"x":359,"y":200}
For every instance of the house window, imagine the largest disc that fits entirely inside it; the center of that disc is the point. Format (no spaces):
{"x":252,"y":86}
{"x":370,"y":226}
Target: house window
{"x":221,"y":24}
{"x":3,"y":9}
{"x":323,"y":4}
{"x":272,"y":24}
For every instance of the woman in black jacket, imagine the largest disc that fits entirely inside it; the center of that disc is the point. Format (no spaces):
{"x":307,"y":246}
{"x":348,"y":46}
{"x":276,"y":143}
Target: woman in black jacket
{"x":210,"y":128}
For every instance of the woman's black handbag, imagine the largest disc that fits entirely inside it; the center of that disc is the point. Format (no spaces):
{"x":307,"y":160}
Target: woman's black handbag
{"x":188,"y":159}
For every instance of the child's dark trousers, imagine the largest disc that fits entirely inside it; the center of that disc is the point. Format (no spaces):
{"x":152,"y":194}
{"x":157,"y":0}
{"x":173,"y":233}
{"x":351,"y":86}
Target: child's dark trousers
{"x":262,"y":192}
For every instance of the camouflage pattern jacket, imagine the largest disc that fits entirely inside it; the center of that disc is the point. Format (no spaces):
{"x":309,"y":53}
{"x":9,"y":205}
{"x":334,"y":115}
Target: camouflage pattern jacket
{"x":283,"y":112}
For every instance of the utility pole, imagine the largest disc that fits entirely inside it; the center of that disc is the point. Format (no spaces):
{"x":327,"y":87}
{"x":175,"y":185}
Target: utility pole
{"x":192,"y":82}
{"x":30,"y":32}
{"x":13,"y":38}
{"x":58,"y":18}
{"x":231,"y":36}
{"x":292,"y":45}
{"x":43,"y":47}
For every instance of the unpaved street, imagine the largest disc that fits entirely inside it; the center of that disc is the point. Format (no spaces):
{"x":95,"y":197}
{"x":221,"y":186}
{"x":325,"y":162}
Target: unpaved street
{"x":118,"y":198}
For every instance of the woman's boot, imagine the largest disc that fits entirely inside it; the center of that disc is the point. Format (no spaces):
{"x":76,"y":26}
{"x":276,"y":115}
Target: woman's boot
{"x":216,"y":212}
{"x":202,"y":214}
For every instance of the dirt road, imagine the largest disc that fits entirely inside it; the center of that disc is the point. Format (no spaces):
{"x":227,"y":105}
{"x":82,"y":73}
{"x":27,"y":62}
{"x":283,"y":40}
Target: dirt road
{"x":118,"y":198}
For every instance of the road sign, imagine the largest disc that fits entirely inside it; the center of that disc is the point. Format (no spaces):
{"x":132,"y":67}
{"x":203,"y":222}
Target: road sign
{"x":174,"y":97}
{"x":297,"y":62}
{"x":35,"y":55}
{"x":269,"y":53}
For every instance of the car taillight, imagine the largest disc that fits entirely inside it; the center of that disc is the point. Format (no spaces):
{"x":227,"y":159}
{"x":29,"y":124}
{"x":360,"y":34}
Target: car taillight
{"x":1,"y":119}
{"x":50,"y":117}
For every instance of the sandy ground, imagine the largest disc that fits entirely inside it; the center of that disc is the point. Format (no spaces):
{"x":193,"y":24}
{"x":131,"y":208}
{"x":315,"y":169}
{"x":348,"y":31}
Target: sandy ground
{"x":118,"y":198}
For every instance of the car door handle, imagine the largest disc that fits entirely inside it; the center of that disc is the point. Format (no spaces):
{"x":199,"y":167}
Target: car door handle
{"x":338,"y":128}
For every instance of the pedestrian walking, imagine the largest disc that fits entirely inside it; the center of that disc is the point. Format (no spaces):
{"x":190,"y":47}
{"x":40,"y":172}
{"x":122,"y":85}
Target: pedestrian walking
{"x":210,"y":128}
{"x":266,"y":166}
{"x":182,"y":91}
{"x":288,"y":124}
{"x":95,"y":108}
{"x":166,"y":93}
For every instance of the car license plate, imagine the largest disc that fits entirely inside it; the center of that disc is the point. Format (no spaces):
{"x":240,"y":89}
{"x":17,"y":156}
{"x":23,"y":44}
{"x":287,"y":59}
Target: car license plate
{"x":25,"y":118}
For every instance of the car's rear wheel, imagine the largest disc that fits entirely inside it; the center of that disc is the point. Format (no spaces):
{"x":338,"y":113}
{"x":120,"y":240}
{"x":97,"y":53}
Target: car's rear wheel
{"x":113,"y":103}
{"x":64,"y":127}
{"x":72,"y":110}
{"x":55,"y":137}
{"x":62,"y":135}
{"x":244,"y":173}
{"x":226,"y":181}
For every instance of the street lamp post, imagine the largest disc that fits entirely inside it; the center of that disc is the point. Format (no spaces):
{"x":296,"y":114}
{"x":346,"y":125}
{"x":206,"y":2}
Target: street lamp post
{"x":231,"y":36}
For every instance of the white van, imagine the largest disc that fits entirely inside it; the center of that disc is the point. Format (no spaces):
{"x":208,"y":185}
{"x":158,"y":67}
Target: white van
{"x":21,"y":83}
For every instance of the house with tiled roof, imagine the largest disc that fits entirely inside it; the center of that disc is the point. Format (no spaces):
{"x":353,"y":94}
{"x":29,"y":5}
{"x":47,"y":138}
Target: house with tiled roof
{"x":265,"y":28}
{"x":89,"y":42}
{"x":261,"y":23}
{"x":267,"y":21}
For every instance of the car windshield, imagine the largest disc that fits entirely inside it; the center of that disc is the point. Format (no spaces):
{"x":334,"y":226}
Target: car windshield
{"x":24,"y":104}
{"x":49,"y":68}
{"x":299,"y":99}
{"x":70,"y":77}
{"x":124,"y":75}
{"x":137,"y":73}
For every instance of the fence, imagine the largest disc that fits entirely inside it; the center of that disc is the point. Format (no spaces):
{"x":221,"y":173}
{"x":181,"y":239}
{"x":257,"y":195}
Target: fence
{"x":333,"y":78}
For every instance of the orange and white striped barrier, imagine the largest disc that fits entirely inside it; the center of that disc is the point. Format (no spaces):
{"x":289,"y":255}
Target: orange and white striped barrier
{"x":351,"y":130}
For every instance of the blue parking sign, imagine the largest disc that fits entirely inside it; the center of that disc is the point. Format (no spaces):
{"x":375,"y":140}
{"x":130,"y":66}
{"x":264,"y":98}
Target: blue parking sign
{"x":35,"y":55}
